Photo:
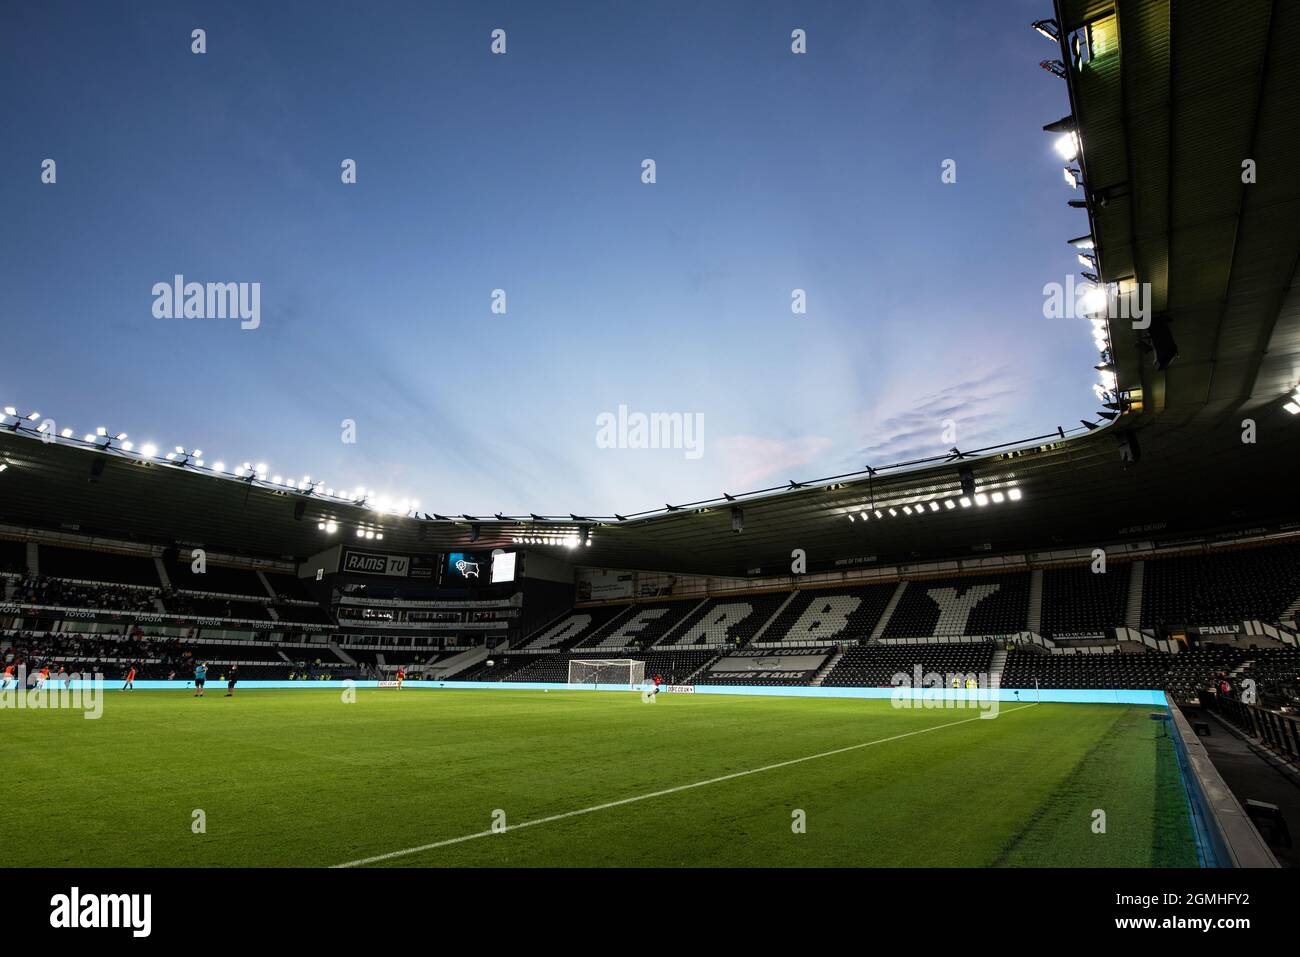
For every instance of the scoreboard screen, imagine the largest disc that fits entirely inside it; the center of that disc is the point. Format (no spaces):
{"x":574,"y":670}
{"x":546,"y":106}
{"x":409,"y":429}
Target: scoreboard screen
{"x":503,"y":566}
{"x":467,"y":568}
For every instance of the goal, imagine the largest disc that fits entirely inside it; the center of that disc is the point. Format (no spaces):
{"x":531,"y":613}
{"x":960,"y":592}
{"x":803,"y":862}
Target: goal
{"x":626,"y":672}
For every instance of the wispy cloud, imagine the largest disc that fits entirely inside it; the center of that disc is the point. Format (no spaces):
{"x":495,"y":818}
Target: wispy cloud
{"x":980,"y":409}
{"x":749,"y":461}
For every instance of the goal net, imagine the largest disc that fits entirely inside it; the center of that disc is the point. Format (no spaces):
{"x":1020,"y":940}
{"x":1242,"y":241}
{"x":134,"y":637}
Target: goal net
{"x":607,"y":671}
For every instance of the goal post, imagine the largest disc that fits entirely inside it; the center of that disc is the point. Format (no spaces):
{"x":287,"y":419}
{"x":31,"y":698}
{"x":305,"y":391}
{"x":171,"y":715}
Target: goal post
{"x":626,"y":672}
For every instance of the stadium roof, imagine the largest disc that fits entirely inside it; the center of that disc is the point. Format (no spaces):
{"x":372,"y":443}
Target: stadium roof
{"x":1173,"y":100}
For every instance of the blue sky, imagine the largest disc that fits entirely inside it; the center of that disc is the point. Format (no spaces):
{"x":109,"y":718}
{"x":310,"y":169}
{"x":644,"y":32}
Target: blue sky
{"x":523,"y":172}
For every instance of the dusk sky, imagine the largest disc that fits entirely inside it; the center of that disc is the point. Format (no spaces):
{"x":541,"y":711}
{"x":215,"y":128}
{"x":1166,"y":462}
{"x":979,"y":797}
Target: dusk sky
{"x":523,"y":172}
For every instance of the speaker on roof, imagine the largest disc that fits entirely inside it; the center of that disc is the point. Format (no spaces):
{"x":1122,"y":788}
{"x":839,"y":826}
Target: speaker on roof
{"x":299,"y":511}
{"x":1130,"y":453}
{"x":967,"y":480}
{"x":1162,"y":342}
{"x":737,"y":519}
{"x":96,"y":469}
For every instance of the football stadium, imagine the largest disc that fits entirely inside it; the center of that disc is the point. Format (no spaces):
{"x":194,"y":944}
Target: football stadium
{"x":1067,"y":644}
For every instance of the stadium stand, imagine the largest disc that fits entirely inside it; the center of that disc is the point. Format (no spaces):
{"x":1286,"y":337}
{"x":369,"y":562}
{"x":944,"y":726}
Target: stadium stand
{"x":829,"y":614}
{"x":267,"y":620}
{"x":288,"y":587}
{"x":1079,"y":602}
{"x":302,"y":614}
{"x":571,"y":628}
{"x":1030,"y":669}
{"x":784,"y":667}
{"x":1221,"y":588}
{"x":13,"y":557}
{"x":641,"y":627}
{"x":732,"y":621}
{"x":975,"y":605}
{"x":198,"y":606}
{"x":216,"y":579}
{"x":84,"y":565}
{"x":875,"y":666}
{"x":67,"y":594}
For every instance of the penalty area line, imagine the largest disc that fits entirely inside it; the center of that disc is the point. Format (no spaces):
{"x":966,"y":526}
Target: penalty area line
{"x":405,"y":852}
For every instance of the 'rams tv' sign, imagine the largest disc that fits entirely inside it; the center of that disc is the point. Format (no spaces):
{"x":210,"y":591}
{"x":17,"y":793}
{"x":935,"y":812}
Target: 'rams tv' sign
{"x":372,"y":563}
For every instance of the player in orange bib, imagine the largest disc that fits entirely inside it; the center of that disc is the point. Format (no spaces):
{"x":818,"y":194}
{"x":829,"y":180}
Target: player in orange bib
{"x":8,"y":678}
{"x":130,"y":680}
{"x":401,"y":676}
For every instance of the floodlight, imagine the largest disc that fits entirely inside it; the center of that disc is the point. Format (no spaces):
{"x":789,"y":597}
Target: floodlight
{"x":1048,"y":29}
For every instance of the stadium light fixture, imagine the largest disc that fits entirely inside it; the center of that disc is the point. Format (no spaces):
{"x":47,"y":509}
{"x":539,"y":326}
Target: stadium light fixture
{"x":1067,"y":146}
{"x":19,"y":419}
{"x":149,"y":450}
{"x":1072,"y":177}
{"x":1293,"y":403}
{"x":1048,"y":29}
{"x":1055,"y":67}
{"x":1014,"y":494}
{"x":1095,"y":300}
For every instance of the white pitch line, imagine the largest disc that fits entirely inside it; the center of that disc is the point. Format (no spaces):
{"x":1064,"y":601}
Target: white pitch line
{"x":654,"y":794}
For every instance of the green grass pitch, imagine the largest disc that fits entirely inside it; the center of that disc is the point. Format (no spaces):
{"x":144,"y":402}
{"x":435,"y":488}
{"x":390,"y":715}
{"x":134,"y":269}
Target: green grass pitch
{"x":300,"y":778}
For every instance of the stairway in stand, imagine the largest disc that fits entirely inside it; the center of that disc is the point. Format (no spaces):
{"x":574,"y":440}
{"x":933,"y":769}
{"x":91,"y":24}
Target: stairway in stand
{"x":827,"y":668}
{"x":996,"y":668}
